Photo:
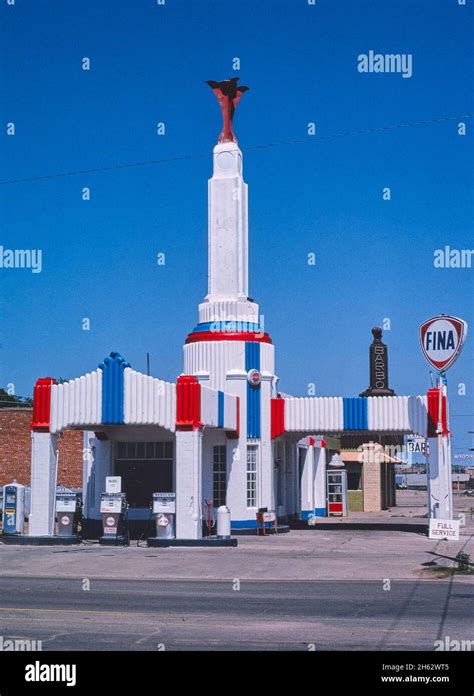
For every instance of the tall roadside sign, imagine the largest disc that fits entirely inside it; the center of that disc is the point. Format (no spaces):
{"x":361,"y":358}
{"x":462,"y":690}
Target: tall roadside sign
{"x":441,"y":340}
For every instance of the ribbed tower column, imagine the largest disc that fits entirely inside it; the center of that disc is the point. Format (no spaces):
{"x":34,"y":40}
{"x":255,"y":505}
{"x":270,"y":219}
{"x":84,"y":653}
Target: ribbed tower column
{"x":227,"y":298}
{"x":228,"y":319}
{"x":228,"y":226}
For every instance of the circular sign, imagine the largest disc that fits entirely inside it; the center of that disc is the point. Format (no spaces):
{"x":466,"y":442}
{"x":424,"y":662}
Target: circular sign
{"x":254,"y":377}
{"x":441,"y":340}
{"x":163,"y":521}
{"x":110,"y":521}
{"x":65,"y":520}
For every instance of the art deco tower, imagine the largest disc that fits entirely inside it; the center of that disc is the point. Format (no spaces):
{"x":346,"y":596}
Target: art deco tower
{"x":228,"y":319}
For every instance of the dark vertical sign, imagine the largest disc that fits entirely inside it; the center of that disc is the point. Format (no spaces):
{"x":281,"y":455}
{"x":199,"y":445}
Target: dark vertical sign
{"x":378,"y":358}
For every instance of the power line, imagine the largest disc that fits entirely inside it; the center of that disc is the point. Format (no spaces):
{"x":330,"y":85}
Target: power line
{"x":179,"y":158}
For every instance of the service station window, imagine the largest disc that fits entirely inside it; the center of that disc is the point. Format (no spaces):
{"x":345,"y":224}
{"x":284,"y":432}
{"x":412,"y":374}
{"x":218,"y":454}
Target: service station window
{"x":252,"y":454}
{"x":219,"y":475}
{"x":145,"y":468}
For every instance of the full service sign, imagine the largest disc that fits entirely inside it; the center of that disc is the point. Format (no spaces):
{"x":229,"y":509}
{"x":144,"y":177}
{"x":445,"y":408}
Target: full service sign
{"x":444,"y":529}
{"x":442,"y":339}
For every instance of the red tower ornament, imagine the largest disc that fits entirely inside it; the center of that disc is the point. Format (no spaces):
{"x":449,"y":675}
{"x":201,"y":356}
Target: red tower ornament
{"x":228,"y":95}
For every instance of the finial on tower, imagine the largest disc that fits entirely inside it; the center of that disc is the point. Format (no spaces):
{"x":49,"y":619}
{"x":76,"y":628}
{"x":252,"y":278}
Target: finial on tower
{"x":377,"y":333}
{"x":228,"y":95}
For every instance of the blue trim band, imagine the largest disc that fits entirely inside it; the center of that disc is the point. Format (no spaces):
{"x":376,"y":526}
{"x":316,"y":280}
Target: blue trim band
{"x":317,"y":512}
{"x":306,"y":514}
{"x":112,"y":388}
{"x":252,"y":356}
{"x":223,"y":326}
{"x":220,"y":409}
{"x":355,"y":413}
{"x":248,"y":524}
{"x":252,"y":362}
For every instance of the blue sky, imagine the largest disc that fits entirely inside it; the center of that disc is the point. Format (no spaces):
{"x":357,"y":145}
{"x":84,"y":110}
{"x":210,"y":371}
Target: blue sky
{"x":374,"y":258}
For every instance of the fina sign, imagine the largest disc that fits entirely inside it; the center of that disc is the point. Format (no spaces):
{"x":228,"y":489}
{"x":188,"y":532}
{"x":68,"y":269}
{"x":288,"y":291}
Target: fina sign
{"x":442,"y":339}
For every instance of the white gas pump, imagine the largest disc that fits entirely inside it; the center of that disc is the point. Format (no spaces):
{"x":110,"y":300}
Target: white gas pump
{"x":114,"y":511}
{"x":164,"y":512}
{"x":68,"y":512}
{"x":13,"y":508}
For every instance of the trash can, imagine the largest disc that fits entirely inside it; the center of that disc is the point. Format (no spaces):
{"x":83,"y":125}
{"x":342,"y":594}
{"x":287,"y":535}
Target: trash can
{"x":223,"y":522}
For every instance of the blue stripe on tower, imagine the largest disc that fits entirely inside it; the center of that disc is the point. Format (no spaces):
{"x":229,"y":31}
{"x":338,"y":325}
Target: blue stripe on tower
{"x":112,"y":388}
{"x":252,"y":362}
{"x":355,"y":413}
{"x":226,"y":326}
{"x":220,"y":409}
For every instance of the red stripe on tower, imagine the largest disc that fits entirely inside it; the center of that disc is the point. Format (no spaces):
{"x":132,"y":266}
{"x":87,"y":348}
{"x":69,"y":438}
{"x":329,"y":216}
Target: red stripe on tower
{"x":198,"y":336}
{"x":42,"y":404}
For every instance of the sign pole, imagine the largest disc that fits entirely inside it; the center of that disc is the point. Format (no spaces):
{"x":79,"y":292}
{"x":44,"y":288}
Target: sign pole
{"x":447,"y":456}
{"x":439,"y":432}
{"x":445,"y":510}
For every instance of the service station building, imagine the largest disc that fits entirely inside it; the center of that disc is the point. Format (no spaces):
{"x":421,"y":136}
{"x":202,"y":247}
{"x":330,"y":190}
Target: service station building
{"x":222,"y":431}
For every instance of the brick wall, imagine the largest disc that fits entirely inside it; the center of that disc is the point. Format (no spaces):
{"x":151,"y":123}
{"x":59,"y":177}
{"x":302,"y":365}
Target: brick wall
{"x":372,"y":483}
{"x":15,"y":450}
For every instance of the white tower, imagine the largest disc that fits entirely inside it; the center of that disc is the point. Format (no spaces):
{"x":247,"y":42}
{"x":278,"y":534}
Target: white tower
{"x":228,"y":319}
{"x":229,"y":346}
{"x":227,"y":298}
{"x":228,"y":226}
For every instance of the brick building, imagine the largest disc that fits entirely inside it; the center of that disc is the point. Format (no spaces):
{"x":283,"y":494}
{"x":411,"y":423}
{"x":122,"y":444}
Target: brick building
{"x":15,"y":450}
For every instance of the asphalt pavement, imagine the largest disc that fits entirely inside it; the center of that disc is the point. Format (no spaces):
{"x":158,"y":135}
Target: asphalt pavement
{"x":68,"y":614}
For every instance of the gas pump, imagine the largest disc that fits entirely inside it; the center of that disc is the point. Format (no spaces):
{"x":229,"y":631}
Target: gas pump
{"x":68,"y":513}
{"x":13,"y":508}
{"x":114,"y":510}
{"x":164,"y":512}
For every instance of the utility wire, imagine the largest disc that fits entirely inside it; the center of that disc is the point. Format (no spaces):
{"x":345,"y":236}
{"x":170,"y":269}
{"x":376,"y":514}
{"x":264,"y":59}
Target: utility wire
{"x":179,"y":158}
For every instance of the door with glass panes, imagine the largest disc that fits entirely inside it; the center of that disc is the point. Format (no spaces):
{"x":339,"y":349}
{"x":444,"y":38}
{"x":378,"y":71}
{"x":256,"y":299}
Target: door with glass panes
{"x":145,"y":468}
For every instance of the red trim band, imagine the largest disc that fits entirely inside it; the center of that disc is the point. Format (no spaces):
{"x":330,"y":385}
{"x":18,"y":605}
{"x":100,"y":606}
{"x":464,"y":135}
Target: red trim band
{"x":277,"y":407}
{"x":42,"y":404}
{"x":188,"y":403}
{"x":228,"y":336}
